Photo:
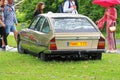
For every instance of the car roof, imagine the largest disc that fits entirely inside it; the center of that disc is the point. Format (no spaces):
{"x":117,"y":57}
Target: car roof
{"x":58,"y":15}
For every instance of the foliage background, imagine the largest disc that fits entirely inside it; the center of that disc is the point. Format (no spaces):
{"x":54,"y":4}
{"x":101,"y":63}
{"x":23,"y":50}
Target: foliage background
{"x":95,"y":12}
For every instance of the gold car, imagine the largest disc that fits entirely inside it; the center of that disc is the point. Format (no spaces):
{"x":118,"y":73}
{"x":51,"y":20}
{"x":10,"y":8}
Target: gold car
{"x":62,"y":34}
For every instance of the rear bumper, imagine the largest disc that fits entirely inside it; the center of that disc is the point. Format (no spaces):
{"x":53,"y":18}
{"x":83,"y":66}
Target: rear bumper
{"x":74,"y":51}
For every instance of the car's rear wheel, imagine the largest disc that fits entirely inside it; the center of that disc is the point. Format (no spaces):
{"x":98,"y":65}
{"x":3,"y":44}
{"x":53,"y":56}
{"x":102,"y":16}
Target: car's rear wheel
{"x":43,"y":56}
{"x":19,"y":46}
{"x":96,"y":56}
{"x":99,"y":56}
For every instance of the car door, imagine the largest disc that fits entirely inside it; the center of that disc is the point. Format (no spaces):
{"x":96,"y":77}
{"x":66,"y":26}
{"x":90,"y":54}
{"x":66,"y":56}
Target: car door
{"x":37,"y":37}
{"x":46,"y":33}
{"x":29,"y":38}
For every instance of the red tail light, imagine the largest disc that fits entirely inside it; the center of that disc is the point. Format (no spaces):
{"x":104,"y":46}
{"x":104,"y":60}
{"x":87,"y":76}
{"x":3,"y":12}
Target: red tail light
{"x":101,"y":43}
{"x":53,"y":44}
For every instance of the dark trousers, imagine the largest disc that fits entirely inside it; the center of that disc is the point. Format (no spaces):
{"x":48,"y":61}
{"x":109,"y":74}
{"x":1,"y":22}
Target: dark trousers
{"x":3,"y":34}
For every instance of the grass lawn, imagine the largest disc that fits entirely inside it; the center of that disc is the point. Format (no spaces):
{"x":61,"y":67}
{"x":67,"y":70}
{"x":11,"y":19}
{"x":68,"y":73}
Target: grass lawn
{"x":14,"y":66}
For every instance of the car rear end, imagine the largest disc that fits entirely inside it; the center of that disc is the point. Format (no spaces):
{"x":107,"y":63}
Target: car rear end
{"x":76,"y":35}
{"x":63,"y":42}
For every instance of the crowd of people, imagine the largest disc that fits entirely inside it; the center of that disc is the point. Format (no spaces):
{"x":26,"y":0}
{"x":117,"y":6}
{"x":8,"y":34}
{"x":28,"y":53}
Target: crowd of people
{"x":8,"y":20}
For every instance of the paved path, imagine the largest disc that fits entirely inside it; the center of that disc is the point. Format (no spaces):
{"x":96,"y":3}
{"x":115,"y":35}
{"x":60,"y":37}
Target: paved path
{"x":118,"y":41}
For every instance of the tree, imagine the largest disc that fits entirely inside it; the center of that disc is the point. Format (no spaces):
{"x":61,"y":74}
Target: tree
{"x":86,"y":7}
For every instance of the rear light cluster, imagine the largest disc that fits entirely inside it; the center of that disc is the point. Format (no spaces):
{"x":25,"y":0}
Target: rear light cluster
{"x":53,"y":44}
{"x":101,"y":43}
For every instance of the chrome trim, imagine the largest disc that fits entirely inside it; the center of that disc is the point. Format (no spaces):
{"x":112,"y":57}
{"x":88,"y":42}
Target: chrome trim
{"x":80,"y":38}
{"x":86,"y":51}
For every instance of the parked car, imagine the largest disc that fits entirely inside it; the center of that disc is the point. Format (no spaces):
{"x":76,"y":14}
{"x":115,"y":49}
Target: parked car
{"x":62,"y":34}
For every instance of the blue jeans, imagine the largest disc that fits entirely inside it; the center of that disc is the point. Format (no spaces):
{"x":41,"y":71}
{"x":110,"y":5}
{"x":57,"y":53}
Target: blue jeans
{"x":10,"y":28}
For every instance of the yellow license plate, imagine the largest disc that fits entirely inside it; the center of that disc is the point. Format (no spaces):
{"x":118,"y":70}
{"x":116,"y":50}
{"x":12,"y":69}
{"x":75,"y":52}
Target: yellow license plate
{"x":77,"y":44}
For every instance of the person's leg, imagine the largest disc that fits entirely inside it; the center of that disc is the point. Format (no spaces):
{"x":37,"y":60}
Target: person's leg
{"x":108,"y":39}
{"x":113,"y":43}
{"x":15,"y":34}
{"x":13,"y":29}
{"x":2,"y":30}
{"x":3,"y":39}
{"x":7,"y":33}
{"x":3,"y":43}
{"x":8,"y":28}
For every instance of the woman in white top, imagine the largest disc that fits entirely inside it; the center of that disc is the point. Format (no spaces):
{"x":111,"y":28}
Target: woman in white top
{"x":70,"y":7}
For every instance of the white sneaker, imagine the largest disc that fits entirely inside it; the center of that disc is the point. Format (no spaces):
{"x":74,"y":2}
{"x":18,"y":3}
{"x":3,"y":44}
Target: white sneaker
{"x":113,"y":51}
{"x":107,"y":51}
{"x":8,"y":47}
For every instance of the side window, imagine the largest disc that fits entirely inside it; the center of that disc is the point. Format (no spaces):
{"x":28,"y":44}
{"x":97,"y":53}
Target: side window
{"x":40,"y":23}
{"x":33,"y":24}
{"x":45,"y":27}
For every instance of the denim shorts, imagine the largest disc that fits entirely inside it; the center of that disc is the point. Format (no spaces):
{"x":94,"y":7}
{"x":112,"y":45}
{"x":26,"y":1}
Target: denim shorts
{"x":10,"y":28}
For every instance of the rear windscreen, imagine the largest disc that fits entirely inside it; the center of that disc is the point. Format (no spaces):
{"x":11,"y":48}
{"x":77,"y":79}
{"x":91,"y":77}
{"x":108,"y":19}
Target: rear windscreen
{"x":69,"y":25}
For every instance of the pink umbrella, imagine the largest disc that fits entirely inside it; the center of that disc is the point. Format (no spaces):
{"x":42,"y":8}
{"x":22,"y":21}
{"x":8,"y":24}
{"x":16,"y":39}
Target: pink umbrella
{"x":106,"y":3}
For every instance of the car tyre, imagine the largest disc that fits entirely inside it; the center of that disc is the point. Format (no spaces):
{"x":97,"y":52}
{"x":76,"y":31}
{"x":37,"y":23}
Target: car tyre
{"x":97,"y":56}
{"x":20,"y":49}
{"x":43,"y":56}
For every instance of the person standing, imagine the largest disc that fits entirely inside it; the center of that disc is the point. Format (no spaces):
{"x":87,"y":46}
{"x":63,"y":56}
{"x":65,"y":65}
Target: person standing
{"x":109,"y":17}
{"x":70,"y":7}
{"x":2,"y":26}
{"x":10,"y":19}
{"x":39,"y":8}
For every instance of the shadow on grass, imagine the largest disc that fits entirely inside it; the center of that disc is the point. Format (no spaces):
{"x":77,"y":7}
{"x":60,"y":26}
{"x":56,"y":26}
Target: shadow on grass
{"x":64,"y":58}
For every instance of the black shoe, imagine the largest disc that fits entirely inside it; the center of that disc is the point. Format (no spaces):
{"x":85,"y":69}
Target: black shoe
{"x":3,"y":48}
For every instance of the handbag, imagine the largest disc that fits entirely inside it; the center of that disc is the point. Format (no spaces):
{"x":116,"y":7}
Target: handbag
{"x":113,"y":27}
